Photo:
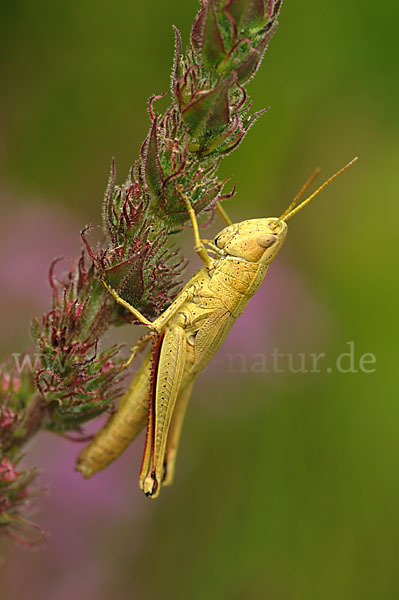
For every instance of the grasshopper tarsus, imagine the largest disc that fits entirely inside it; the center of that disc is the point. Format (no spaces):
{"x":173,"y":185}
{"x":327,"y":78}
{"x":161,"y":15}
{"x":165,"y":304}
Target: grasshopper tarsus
{"x":150,"y":486}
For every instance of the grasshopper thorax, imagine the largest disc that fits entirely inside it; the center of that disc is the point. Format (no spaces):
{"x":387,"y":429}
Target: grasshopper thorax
{"x":255,"y":240}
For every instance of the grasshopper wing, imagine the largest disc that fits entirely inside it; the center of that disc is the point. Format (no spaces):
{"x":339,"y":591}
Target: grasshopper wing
{"x":211,"y":336}
{"x":173,"y":440}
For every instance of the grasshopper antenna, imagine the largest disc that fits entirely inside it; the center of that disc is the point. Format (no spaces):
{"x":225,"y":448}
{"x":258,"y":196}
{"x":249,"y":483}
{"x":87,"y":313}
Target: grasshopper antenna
{"x":287,"y":214}
{"x":300,"y":193}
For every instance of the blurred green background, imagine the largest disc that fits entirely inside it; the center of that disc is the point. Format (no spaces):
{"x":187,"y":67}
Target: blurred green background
{"x":287,"y":483}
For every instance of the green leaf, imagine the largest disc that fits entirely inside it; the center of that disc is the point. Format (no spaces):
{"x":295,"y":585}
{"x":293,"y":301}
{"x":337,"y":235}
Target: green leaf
{"x":246,"y":12}
{"x":153,"y":171}
{"x":210,"y":111}
{"x":207,"y":38}
{"x":127,"y":279}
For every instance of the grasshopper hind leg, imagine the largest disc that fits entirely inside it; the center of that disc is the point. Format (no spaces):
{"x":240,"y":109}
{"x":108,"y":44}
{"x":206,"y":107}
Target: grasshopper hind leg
{"x":168,"y":368}
{"x":173,"y":440}
{"x":121,"y":428}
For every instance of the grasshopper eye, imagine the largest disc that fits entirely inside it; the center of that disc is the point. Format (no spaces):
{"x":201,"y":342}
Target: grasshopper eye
{"x":267,"y":240}
{"x":218,"y":242}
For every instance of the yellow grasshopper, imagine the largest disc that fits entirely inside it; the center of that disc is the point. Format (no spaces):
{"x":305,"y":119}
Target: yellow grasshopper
{"x":185,"y":338}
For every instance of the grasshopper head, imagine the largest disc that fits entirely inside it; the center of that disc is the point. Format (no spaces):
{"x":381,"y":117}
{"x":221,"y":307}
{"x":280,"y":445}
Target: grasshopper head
{"x":259,"y":240}
{"x":255,"y":240}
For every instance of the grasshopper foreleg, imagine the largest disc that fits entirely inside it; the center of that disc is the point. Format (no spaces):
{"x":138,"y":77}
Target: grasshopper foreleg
{"x":159,"y":323}
{"x":141,"y":342}
{"x":129,"y":307}
{"x":199,"y":246}
{"x":223,"y":214}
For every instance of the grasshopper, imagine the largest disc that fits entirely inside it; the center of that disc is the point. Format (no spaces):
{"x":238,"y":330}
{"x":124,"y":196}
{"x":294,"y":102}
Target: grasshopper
{"x":185,"y":337}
